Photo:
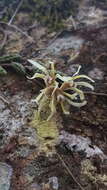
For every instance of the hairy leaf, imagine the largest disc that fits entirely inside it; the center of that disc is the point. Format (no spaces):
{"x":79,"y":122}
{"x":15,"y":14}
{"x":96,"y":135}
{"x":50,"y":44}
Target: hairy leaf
{"x":37,"y":75}
{"x":38,"y":65}
{"x":63,"y":109}
{"x":76,"y":104}
{"x":85,"y":84}
{"x":2,"y":71}
{"x":63,"y":78}
{"x":82,"y":76}
{"x":79,"y":92}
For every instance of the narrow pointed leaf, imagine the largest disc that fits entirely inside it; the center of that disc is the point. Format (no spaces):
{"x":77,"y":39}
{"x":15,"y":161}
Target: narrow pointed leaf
{"x":52,"y":68}
{"x":71,"y":96}
{"x":19,"y":68}
{"x":63,"y":109}
{"x":37,"y":75}
{"x":53,"y":108}
{"x":42,"y":104}
{"x":2,"y":71}
{"x":79,"y":92}
{"x":85,"y":84}
{"x":39,"y":97}
{"x":66,"y":85}
{"x":38,"y":65}
{"x":76,"y":104}
{"x":77,"y":70}
{"x":63,"y":78}
{"x":56,"y":86}
{"x":82,"y":76}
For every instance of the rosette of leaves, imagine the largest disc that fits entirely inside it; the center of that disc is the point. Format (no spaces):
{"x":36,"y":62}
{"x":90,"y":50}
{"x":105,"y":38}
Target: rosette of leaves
{"x":60,"y":89}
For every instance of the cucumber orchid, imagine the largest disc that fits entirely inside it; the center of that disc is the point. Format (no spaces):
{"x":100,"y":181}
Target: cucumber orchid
{"x":60,"y":89}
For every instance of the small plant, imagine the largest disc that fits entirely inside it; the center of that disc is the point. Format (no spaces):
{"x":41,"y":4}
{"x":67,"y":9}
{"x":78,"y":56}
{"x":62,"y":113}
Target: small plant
{"x":60,"y":89}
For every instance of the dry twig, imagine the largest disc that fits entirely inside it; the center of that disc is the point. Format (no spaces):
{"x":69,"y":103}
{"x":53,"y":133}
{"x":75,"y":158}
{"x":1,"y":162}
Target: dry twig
{"x":16,"y":11}
{"x":68,"y":170}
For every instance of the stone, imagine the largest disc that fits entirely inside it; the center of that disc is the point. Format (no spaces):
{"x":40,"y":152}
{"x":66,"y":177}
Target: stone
{"x":54,"y":182}
{"x":5,"y":176}
{"x":78,"y":143}
{"x":96,"y":73}
{"x":65,"y":43}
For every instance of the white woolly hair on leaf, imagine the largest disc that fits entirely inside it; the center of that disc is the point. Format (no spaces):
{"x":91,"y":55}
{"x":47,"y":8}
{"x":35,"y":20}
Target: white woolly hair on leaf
{"x":85,"y":84}
{"x":82,"y":76}
{"x":76,"y":104}
{"x":37,"y":75}
{"x":38,"y":65}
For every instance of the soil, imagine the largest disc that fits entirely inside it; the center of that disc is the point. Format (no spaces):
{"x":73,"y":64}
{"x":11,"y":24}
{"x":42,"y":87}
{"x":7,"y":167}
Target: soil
{"x":33,"y":170}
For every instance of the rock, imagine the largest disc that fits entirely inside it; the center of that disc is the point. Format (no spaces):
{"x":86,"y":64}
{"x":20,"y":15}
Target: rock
{"x":5,"y":176}
{"x":91,"y":13}
{"x":32,"y":170}
{"x":28,"y":137}
{"x":34,"y":186}
{"x":96,"y":73}
{"x":91,"y":16}
{"x":72,"y":69}
{"x":64,"y":43}
{"x":54,"y":182}
{"x":78,"y":143}
{"x":13,"y":123}
{"x":24,"y":151}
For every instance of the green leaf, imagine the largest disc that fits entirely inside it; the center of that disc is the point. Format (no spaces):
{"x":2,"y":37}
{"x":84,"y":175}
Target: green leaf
{"x":19,"y":68}
{"x":10,"y":58}
{"x":2,"y":71}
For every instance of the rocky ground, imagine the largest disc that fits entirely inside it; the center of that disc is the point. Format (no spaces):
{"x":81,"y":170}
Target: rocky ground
{"x":80,"y":160}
